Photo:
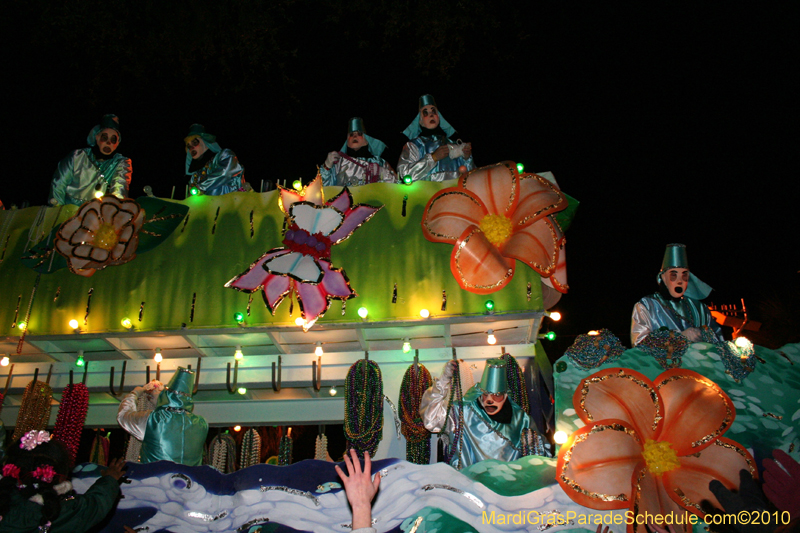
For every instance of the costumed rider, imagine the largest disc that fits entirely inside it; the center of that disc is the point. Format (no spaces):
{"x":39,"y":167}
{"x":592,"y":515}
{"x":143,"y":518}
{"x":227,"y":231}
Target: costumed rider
{"x":359,"y":161}
{"x":492,"y":426}
{"x":170,"y":432}
{"x":92,"y":172}
{"x":431,"y":154}
{"x":676,"y":306}
{"x":211,"y":169}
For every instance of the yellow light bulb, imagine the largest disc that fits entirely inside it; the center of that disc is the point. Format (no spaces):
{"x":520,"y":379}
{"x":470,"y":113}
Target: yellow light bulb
{"x":424,"y":313}
{"x":73,"y":324}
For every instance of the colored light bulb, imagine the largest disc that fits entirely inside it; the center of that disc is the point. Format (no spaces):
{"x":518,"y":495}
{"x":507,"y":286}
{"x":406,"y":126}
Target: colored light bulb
{"x":194,"y":191}
{"x":73,"y":324}
{"x":297,"y":184}
{"x":520,"y":167}
{"x":407,"y":180}
{"x":80,"y":361}
{"x":489,"y":305}
{"x":126,"y":323}
{"x":424,"y":313}
{"x":242,"y":390}
{"x":406,"y":346}
{"x":238,"y":317}
{"x":551,"y":335}
{"x":362,"y":312}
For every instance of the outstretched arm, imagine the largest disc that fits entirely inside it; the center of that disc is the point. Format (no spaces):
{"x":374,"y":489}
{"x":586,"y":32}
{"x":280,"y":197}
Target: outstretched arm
{"x":360,"y":488}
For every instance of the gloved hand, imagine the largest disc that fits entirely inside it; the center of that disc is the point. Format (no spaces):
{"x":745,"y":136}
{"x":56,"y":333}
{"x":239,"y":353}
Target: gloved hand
{"x":749,"y":498}
{"x":693,"y":334}
{"x":332,"y":158}
{"x":782,"y":485}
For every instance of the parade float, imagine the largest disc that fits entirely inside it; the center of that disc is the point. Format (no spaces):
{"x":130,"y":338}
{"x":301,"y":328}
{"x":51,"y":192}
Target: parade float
{"x":289,"y":303}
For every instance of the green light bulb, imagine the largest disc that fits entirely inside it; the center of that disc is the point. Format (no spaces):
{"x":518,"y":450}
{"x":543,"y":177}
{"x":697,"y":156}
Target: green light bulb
{"x":238,"y":317}
{"x":551,"y":335}
{"x":489,"y":305}
{"x":407,"y":180}
{"x":80,"y":361}
{"x":520,"y":167}
{"x":406,"y":347}
{"x":362,"y":312}
{"x":297,"y":184}
{"x":194,"y":191}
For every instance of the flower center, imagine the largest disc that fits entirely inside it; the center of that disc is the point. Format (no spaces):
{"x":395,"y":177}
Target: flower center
{"x":497,"y":228}
{"x":660,"y":457}
{"x":105,"y":237}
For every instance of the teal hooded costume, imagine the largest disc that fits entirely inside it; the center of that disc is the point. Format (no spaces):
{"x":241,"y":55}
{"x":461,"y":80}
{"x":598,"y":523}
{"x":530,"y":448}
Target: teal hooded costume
{"x":678,"y":314}
{"x":482,"y":436}
{"x":217,"y":171}
{"x":170,"y":432}
{"x":85,"y":171}
{"x":359,"y":167}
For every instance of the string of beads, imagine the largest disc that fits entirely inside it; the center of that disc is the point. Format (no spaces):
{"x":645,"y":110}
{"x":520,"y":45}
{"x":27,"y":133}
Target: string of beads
{"x":416,"y":381}
{"x":363,"y":407}
{"x":71,"y":417}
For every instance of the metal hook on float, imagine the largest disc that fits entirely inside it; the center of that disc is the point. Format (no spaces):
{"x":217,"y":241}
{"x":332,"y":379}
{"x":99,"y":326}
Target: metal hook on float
{"x":316,"y":373}
{"x":121,"y":380}
{"x":231,"y":389}
{"x":276,"y":386}
{"x":8,"y":380}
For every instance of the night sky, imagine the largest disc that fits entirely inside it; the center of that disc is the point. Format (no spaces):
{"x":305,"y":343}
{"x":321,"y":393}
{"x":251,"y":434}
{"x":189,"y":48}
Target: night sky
{"x":667,"y":123}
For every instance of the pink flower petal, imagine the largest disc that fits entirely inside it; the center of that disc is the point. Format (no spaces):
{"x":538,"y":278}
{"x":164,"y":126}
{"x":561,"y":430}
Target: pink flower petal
{"x":313,"y":300}
{"x":117,"y":251}
{"x":449,"y":212}
{"x":84,"y":252}
{"x":255,"y":275}
{"x":477,"y":265}
{"x":335,"y":282}
{"x":353,"y":219}
{"x":275,"y":289}
{"x":497,"y":186}
{"x":342,"y":201}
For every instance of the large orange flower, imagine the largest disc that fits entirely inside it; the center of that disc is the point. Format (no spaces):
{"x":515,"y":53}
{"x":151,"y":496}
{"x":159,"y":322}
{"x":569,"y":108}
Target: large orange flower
{"x":494,"y":216}
{"x":650,"y":447}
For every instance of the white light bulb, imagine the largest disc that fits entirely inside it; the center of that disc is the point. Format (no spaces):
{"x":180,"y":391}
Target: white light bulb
{"x":424,"y":313}
{"x":73,"y":324}
{"x":555,"y":315}
{"x":318,"y":350}
{"x":491,"y":339}
{"x":158,"y":357}
{"x":560,"y":437}
{"x":4,"y":361}
{"x":299,"y":321}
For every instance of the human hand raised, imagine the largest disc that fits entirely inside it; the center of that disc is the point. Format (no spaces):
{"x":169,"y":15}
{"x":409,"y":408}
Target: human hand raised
{"x":359,"y":487}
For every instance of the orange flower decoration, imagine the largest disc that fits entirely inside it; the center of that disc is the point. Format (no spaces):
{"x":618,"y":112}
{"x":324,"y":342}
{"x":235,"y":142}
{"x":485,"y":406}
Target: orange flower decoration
{"x":104,"y":231}
{"x":650,"y":447}
{"x":494,"y":216}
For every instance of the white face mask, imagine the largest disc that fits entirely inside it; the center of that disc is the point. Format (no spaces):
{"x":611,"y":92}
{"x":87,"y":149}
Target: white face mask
{"x":429,"y":117}
{"x":355,"y":140}
{"x":676,"y":281}
{"x":107,"y":141}
{"x":493,"y":403}
{"x":196,"y":146}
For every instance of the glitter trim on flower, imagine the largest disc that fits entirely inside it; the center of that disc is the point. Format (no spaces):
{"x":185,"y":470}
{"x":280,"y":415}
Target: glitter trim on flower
{"x":650,"y":446}
{"x":493,"y":217}
{"x":104,"y":231}
{"x":33,"y":438}
{"x":302,"y":266}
